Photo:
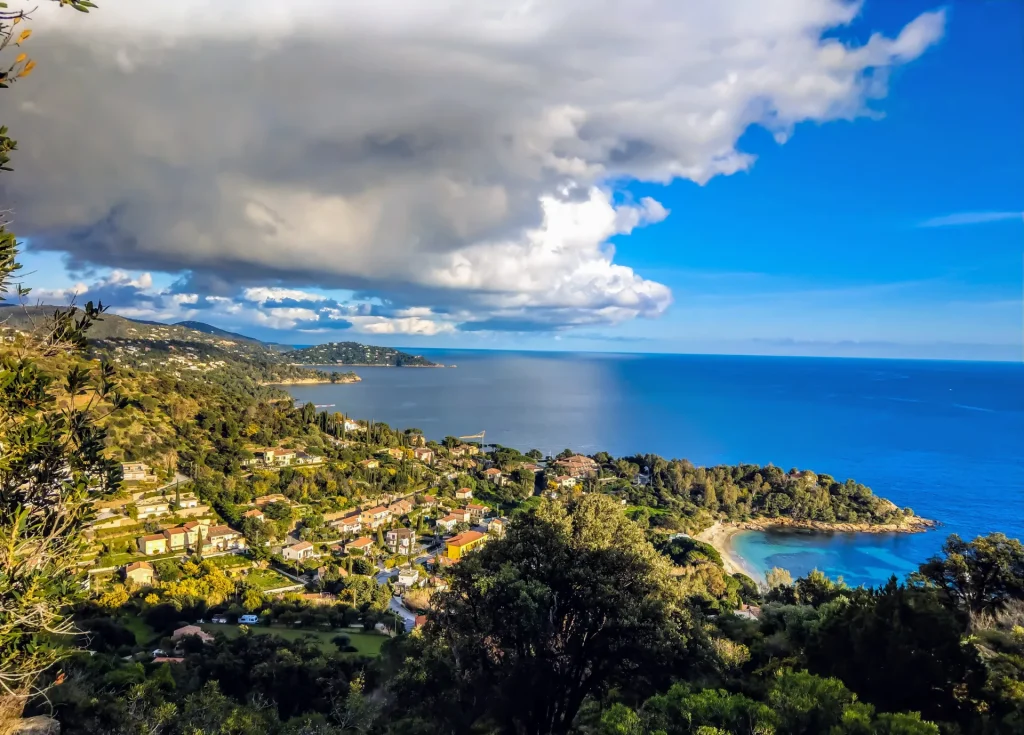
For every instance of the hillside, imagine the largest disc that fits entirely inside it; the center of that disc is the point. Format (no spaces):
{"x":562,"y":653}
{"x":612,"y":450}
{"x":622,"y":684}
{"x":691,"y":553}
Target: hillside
{"x":152,"y":345}
{"x":353,"y":353}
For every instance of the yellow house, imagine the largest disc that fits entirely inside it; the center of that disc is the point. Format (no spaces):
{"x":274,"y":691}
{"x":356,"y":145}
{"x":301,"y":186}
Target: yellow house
{"x":462,"y":544}
{"x":155,"y":544}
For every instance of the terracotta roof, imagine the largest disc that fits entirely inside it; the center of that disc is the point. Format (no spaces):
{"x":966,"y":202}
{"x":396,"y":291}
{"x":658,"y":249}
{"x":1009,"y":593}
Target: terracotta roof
{"x":252,"y":513}
{"x":154,"y":537}
{"x":221,"y":531}
{"x":301,"y":546}
{"x":466,"y":537}
{"x":139,"y":565}
{"x":360,"y":542}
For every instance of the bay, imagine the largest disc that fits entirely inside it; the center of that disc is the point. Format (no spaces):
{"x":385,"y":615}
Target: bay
{"x":945,"y":438}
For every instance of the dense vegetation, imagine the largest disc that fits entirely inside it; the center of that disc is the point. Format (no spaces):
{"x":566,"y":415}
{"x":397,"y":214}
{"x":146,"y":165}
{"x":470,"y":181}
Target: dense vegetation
{"x":353,"y":353}
{"x":590,"y":615}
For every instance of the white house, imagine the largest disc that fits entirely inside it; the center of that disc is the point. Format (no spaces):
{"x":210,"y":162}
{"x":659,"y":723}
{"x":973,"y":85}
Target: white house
{"x":298,"y":552}
{"x":408,"y":578}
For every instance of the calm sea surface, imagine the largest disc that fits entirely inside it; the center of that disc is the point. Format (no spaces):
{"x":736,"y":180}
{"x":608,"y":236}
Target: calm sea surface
{"x":944,"y":438}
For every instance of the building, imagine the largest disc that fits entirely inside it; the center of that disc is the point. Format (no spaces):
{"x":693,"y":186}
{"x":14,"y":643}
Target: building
{"x":154,"y":544}
{"x":187,"y":500}
{"x":191,"y":630}
{"x":272,"y":457}
{"x":447,"y":523}
{"x":400,"y":508}
{"x":369,"y":464}
{"x":139,"y":572}
{"x":463,"y":493}
{"x":222,"y":538}
{"x":393,"y":452}
{"x":429,"y":501}
{"x":303,"y":458}
{"x":578,"y":466}
{"x":298,"y":552}
{"x":748,"y":612}
{"x":254,"y":513}
{"x":496,"y":527}
{"x":348,"y":524}
{"x":494,"y":475}
{"x":180,"y":538}
{"x":400,"y":540}
{"x":424,"y":454}
{"x":464,"y":450}
{"x":459,"y":546}
{"x":417,"y":440}
{"x":361,"y":545}
{"x":153,"y":508}
{"x":462,"y":515}
{"x":408,"y":578}
{"x":351,"y":425}
{"x":137,"y":472}
{"x":375,"y":517}
{"x":477,"y":512}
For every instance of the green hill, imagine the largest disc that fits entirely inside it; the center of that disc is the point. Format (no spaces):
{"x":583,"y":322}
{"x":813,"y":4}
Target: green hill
{"x":354,"y":353}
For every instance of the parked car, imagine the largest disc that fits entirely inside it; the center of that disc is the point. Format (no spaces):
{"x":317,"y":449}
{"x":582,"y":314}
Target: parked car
{"x":249,"y":620}
{"x":219,"y":619}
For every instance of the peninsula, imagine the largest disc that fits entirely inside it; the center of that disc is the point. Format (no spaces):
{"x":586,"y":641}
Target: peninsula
{"x":356,"y":355}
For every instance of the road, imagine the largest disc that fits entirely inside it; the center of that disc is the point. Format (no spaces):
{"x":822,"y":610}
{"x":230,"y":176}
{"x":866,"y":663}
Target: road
{"x":408,"y":617}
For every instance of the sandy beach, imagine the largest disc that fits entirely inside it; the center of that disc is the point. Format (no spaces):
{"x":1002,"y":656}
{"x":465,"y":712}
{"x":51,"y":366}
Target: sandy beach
{"x":720,"y":536}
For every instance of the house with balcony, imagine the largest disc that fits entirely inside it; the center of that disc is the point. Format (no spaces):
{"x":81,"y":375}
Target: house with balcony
{"x":400,"y":540}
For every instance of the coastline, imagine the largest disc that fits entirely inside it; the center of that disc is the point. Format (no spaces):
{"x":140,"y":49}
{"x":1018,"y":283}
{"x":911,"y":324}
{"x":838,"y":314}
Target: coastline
{"x":720,"y":535}
{"x":312,"y":381}
{"x":360,"y":365}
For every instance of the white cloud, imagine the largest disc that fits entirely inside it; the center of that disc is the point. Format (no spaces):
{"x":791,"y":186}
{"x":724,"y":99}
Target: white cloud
{"x":447,"y":155}
{"x":971,"y":218}
{"x":263,"y":294}
{"x":404,"y":325}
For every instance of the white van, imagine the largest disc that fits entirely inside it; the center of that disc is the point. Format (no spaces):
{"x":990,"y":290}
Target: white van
{"x":249,"y":620}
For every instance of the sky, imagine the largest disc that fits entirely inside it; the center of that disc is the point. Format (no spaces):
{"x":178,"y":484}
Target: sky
{"x":801,"y":177}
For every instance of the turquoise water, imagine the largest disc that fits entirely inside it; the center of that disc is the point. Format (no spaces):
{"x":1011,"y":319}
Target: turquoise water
{"x":945,"y":438}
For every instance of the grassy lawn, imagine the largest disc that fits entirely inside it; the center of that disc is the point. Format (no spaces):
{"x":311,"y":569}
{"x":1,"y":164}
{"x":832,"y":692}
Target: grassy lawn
{"x":368,"y":643}
{"x":144,"y":635}
{"x":268,"y":579}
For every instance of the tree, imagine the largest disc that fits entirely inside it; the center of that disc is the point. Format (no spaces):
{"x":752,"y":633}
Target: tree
{"x":51,"y":459}
{"x":571,"y":602}
{"x":899,"y":648}
{"x":981,"y":576}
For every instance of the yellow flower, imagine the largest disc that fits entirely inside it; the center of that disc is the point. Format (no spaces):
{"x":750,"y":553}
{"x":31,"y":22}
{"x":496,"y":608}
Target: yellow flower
{"x":19,"y":58}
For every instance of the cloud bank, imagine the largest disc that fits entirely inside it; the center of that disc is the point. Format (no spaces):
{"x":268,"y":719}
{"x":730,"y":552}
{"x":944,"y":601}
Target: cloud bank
{"x":464,"y":159}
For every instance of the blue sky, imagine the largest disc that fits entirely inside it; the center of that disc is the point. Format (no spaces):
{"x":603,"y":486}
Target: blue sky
{"x":897,"y":236}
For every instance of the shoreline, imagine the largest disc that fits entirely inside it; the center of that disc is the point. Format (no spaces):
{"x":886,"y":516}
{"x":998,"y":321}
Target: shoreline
{"x":720,"y":535}
{"x":360,"y":365}
{"x":313,"y":381}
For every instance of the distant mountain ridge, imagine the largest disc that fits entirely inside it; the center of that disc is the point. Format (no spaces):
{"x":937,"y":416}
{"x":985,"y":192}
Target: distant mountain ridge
{"x":120,"y":334}
{"x":216,"y":331}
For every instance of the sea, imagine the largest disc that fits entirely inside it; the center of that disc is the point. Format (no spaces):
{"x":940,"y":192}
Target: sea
{"x":944,"y":438}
